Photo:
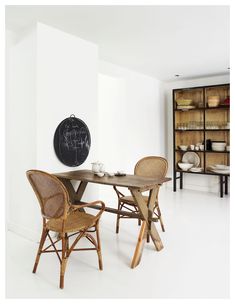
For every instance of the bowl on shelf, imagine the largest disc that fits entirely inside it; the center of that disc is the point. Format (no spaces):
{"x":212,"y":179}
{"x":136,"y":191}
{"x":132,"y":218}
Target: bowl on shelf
{"x":185,"y":166}
{"x":184,"y":102}
{"x":213,"y":101}
{"x":183,"y":147}
{"x":218,"y":146}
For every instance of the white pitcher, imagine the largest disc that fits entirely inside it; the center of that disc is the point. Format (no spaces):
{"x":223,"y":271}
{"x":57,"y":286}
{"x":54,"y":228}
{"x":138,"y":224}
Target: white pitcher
{"x":97,"y":167}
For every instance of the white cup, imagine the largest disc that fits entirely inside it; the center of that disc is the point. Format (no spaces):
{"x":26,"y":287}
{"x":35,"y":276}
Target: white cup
{"x":192,"y":147}
{"x":196,"y":148}
{"x":201,"y":147}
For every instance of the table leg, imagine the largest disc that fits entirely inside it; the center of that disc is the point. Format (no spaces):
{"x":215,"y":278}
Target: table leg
{"x":80,"y":190}
{"x":151,"y":204}
{"x":147,"y":225}
{"x":140,"y":245}
{"x":70,"y":189}
{"x":226,"y":185}
{"x":181,"y":180}
{"x":174,"y":181}
{"x":221,"y":185}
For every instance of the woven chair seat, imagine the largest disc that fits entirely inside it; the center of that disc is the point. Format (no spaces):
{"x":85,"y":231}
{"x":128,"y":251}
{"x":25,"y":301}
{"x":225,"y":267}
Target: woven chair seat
{"x":130,"y":200}
{"x":75,"y":221}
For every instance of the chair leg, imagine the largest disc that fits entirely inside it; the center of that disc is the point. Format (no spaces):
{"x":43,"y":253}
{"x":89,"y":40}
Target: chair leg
{"x":118,"y":218}
{"x":99,"y":248}
{"x":63,"y":261}
{"x":67,"y":243}
{"x":42,"y":241}
{"x":160,"y":217}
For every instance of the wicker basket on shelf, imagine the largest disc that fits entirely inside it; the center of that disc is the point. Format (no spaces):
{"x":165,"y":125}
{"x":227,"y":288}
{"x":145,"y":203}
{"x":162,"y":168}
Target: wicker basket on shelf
{"x":213,"y":101}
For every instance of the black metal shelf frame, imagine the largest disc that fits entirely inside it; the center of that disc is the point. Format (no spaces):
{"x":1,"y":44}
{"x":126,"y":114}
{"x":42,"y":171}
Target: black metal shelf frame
{"x":223,"y":178}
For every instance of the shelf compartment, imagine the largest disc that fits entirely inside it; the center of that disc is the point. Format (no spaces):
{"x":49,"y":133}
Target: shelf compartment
{"x":196,"y":94}
{"x":185,"y":120}
{"x":212,"y":159}
{"x":188,"y":138}
{"x":220,"y":135}
{"x":179,"y":155}
{"x":222,"y":91}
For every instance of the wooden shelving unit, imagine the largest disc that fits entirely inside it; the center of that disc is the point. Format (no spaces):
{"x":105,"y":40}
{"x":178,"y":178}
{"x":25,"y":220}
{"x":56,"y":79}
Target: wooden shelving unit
{"x":198,"y":125}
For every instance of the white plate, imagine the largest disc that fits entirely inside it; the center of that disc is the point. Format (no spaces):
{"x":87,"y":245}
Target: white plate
{"x":220,"y":167}
{"x":192,"y":158}
{"x":185,"y":107}
{"x":221,"y":171}
{"x":196,"y":169}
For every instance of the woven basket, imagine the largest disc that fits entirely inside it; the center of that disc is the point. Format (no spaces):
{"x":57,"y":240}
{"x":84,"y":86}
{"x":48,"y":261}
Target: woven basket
{"x":184,"y":102}
{"x":213,"y":101}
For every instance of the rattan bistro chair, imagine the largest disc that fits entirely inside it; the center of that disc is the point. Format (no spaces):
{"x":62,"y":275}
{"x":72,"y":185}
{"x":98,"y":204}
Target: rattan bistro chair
{"x":60,"y":216}
{"x":151,"y":166}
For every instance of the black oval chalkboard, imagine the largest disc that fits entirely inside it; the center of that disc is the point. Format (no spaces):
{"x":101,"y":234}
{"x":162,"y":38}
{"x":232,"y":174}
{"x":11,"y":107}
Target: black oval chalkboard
{"x":72,"y":141}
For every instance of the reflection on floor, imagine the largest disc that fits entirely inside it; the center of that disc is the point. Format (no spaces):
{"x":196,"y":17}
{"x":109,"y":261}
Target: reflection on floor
{"x":193,"y":264}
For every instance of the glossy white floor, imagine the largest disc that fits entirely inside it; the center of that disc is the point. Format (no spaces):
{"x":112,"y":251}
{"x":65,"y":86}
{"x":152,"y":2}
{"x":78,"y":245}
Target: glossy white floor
{"x":193,"y":264}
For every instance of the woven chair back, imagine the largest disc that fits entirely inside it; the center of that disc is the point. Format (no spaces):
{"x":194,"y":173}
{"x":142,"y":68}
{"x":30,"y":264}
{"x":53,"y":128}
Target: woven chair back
{"x":51,"y":193}
{"x":152,"y":166}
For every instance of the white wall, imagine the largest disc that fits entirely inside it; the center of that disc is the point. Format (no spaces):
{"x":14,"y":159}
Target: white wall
{"x":51,"y":75}
{"x":67,"y":68}
{"x":131,"y":119}
{"x":20,"y":130}
{"x":191,"y":181}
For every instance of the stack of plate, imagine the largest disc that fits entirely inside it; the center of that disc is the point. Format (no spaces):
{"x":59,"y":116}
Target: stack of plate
{"x":218,"y":146}
{"x":222,"y":169}
{"x":185,"y":108}
{"x":191,"y":158}
{"x":184,"y":102}
{"x":197,"y":169}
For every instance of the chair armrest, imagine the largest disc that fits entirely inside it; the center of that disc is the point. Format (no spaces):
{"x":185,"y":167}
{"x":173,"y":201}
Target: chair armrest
{"x":95,"y":203}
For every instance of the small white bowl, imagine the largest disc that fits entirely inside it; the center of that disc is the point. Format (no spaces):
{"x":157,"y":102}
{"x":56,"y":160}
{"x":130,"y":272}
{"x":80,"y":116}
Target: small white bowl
{"x":185,"y":166}
{"x":218,"y":149}
{"x":218,"y":144}
{"x":183,"y":147}
{"x":100,"y":174}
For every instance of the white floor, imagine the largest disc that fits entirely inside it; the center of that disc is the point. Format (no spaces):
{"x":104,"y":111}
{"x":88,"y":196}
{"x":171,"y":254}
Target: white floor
{"x":193,"y":264}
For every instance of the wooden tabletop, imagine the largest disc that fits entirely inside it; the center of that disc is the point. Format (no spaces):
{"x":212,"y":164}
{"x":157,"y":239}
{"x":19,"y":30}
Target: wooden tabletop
{"x":129,"y":181}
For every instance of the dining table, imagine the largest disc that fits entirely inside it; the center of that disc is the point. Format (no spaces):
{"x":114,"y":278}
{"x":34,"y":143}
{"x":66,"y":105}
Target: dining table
{"x":136,"y":185}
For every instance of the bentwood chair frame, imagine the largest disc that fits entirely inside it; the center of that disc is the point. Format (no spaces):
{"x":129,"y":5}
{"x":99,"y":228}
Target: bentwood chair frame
{"x":60,"y":216}
{"x":150,"y":166}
